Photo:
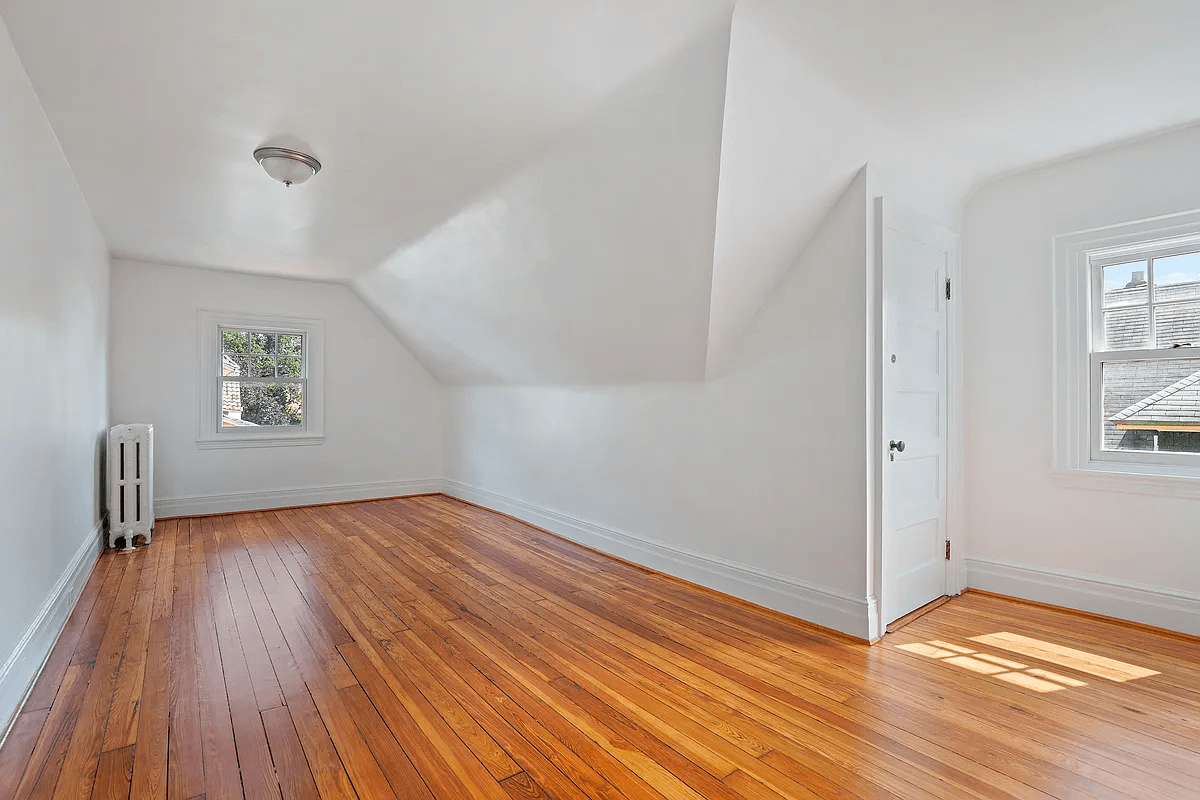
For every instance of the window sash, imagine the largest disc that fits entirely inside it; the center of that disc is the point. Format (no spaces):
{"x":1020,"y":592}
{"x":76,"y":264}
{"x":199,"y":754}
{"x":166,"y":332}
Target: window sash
{"x":1096,"y":407}
{"x":1150,"y":254}
{"x":277,"y":332}
{"x":1098,"y":356}
{"x":239,"y":430}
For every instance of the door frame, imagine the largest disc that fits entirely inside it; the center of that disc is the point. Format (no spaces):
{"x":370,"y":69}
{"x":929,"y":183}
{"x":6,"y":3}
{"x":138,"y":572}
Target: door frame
{"x":884,"y":209}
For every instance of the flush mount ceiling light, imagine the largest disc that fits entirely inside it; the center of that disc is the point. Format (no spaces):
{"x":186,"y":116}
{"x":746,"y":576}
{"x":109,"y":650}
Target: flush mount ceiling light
{"x":287,"y":166}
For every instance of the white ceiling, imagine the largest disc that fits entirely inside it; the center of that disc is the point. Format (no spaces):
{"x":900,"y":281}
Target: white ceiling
{"x":413,"y":107}
{"x":939,"y":96}
{"x":443,"y":125}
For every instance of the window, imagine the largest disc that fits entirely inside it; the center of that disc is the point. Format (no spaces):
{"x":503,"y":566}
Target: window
{"x":260,"y":381}
{"x":1127,"y":353}
{"x":1146,"y":318}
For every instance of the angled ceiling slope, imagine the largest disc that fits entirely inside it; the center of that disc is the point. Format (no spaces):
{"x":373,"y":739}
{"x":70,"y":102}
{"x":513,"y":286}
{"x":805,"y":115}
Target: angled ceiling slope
{"x":527,"y":191}
{"x":592,"y":263}
{"x":412,"y":106}
{"x":939,"y":96}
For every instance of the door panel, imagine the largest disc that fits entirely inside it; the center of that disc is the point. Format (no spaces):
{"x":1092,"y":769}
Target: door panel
{"x":922,"y":409}
{"x":916,"y":262}
{"x":923,"y":353}
{"x":915,"y":483}
{"x":916,"y":545}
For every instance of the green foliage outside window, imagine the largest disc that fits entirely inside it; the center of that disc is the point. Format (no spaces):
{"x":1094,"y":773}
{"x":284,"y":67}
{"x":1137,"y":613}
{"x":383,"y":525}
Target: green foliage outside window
{"x":271,"y":403}
{"x":267,"y":355}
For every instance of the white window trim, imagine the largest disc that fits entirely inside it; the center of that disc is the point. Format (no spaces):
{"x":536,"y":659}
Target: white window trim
{"x":1077,"y":461}
{"x":209,"y":436}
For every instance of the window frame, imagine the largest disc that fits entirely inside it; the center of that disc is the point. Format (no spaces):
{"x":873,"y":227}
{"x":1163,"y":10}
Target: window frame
{"x":210,"y":433}
{"x":1079,"y":459}
{"x":1149,"y":252}
{"x":302,"y":381}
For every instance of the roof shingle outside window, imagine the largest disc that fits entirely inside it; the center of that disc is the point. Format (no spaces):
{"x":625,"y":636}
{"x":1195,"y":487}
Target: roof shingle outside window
{"x":1144,"y":396}
{"x":1127,"y":331}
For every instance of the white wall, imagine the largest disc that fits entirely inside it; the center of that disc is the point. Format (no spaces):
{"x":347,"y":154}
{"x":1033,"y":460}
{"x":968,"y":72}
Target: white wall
{"x":1129,"y":555}
{"x":754,"y":483}
{"x":53,"y":406}
{"x":383,"y":412}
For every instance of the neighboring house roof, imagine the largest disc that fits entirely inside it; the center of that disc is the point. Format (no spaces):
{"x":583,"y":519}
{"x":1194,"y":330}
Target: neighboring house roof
{"x":1175,"y":408}
{"x":1127,"y":328}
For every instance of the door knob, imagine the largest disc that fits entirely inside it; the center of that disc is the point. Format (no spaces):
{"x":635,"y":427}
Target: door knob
{"x":897,"y":446}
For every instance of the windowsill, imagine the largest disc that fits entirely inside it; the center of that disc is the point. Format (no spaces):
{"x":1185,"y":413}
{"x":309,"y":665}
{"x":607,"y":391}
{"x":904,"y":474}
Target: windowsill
{"x":1129,"y":479}
{"x":246,"y":440}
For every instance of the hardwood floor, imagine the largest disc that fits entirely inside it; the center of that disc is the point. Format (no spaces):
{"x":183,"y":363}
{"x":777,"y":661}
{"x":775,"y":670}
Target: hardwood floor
{"x":425,"y":648}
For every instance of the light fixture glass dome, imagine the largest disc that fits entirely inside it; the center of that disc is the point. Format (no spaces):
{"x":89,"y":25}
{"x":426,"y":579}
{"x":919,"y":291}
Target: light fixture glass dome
{"x":287,"y":166}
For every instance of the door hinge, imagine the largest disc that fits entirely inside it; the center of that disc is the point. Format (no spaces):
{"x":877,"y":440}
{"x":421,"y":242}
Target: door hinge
{"x":947,"y":549}
{"x":947,"y":288}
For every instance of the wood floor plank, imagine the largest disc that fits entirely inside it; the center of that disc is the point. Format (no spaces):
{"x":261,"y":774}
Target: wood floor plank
{"x":66,"y":647}
{"x":324,"y":762}
{"x":87,"y":737}
{"x":185,"y":747}
{"x":396,"y":765}
{"x":253,"y":753}
{"x":18,"y":749}
{"x":523,"y":787}
{"x":121,"y":729}
{"x":287,"y":754}
{"x":263,"y":680}
{"x":437,"y":774}
{"x":114,"y":774}
{"x":40,"y":774}
{"x":308,"y":638}
{"x":549,"y":761}
{"x":426,"y":648}
{"x":149,"y":779}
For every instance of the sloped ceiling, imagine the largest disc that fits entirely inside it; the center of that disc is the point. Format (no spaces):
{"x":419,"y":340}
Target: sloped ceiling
{"x":938,"y":95}
{"x":593,"y":263}
{"x":413,"y":107}
{"x":528,"y":191}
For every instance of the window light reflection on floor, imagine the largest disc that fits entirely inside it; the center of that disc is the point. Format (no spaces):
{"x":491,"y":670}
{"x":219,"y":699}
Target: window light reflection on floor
{"x":1078,"y":660}
{"x":1014,"y":672}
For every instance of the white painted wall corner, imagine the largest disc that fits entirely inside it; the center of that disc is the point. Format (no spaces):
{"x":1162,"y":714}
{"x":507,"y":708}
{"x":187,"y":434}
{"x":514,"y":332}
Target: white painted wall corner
{"x":25,"y":662}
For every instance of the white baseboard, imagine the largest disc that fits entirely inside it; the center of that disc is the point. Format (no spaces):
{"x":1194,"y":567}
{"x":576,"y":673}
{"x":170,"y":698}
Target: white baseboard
{"x":832,"y":609}
{"x":281,"y":498}
{"x":26,"y":660}
{"x":1150,"y":605}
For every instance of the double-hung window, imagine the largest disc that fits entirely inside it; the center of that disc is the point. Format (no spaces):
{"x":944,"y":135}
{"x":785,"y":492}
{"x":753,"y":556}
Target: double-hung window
{"x":263,"y":378}
{"x":1145,"y":359}
{"x":260,"y":380}
{"x":1127,"y":353}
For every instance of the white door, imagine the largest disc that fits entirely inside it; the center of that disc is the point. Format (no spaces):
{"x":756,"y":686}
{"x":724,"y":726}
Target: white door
{"x":917,"y":255}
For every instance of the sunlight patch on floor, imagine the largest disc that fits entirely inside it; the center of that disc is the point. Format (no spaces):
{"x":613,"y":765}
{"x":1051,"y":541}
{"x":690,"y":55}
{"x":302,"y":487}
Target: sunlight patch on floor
{"x":1014,"y":672}
{"x":1077,"y":660}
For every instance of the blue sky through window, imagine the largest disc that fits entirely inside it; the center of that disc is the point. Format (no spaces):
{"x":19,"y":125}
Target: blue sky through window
{"x":1176,"y":269}
{"x":1167,"y":271}
{"x":1118,"y":275}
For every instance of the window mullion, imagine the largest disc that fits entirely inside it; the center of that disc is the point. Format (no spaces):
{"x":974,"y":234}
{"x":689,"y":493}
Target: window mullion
{"x":1150,"y":299}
